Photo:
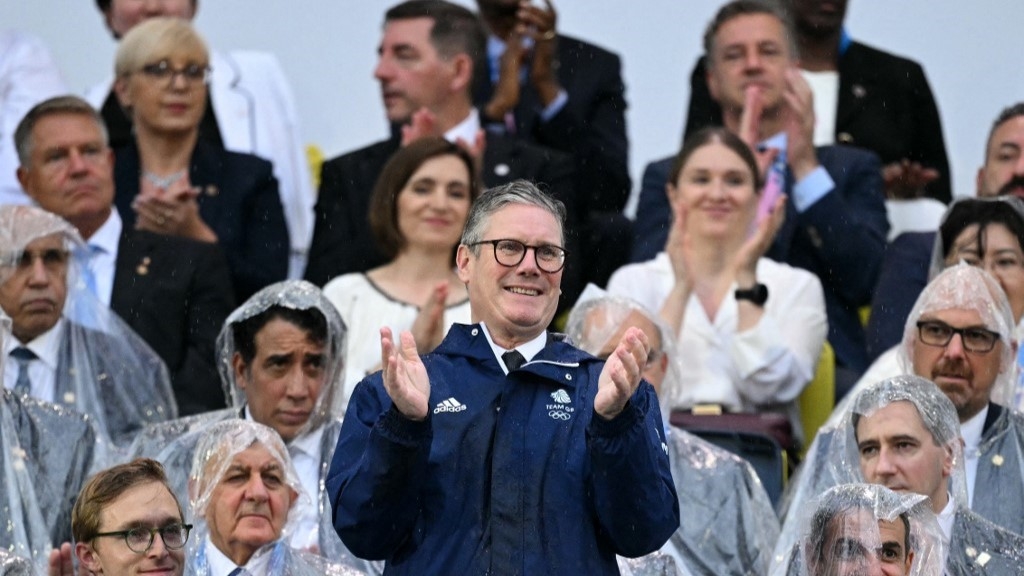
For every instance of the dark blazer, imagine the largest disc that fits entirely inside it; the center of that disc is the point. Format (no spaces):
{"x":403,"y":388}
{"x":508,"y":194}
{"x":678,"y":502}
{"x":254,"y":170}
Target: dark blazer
{"x":885,"y":105}
{"x":175,"y":294}
{"x":840,"y":238}
{"x":238,"y":200}
{"x":901,"y":279}
{"x":342,"y":240}
{"x":59,"y":446}
{"x":591,"y":126}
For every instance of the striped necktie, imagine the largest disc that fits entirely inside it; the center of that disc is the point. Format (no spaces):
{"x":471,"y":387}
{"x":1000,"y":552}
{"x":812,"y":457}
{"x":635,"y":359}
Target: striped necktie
{"x":23,"y":356}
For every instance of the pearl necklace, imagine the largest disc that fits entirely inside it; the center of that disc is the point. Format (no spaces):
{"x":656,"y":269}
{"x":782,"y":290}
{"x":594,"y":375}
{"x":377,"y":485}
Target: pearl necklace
{"x":163,"y":181}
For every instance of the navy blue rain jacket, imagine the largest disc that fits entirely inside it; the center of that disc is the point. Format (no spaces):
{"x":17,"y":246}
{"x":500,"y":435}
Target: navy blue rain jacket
{"x":508,"y":474}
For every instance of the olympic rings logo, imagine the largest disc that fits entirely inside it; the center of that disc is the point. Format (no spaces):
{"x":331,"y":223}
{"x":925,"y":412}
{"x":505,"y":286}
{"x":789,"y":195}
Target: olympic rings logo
{"x":559,"y":415}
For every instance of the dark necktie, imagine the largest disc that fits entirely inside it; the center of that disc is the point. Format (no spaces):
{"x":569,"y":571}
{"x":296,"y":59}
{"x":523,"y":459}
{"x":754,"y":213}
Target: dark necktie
{"x":22,"y":355}
{"x":239,"y":572}
{"x":513,"y":360}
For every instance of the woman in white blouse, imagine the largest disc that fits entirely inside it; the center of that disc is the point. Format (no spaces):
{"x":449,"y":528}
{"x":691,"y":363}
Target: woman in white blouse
{"x":750,"y":329}
{"x":417,"y":211}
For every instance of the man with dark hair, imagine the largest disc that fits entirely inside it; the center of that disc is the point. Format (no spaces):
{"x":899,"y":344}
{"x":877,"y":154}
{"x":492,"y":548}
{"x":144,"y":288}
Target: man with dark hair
{"x":172,"y":291}
{"x":429,"y":56}
{"x":836,"y":220}
{"x":507,"y":449}
{"x":280,"y":355}
{"x":863,"y":97}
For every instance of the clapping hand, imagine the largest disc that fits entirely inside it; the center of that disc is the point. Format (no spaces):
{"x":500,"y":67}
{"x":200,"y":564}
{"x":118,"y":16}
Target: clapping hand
{"x":405,"y":377}
{"x":621,"y":374}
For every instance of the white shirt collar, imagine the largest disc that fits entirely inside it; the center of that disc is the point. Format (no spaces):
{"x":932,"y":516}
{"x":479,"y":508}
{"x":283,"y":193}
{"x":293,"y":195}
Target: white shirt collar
{"x":309,"y":443}
{"x":528,"y":349}
{"x":221,"y":565}
{"x":972,"y":430}
{"x":108,"y":236}
{"x":465,"y":130}
{"x":946,"y":517}
{"x":46,"y":346}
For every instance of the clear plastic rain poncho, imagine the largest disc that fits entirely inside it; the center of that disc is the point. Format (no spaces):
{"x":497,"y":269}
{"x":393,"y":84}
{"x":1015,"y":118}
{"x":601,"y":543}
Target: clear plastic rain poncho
{"x":961,"y":214}
{"x":715,"y":487}
{"x":836,"y":460}
{"x":173,"y":443}
{"x":45,"y":455}
{"x":214,"y":455}
{"x":859,"y":529}
{"x":14,"y":565}
{"x":103,"y":368}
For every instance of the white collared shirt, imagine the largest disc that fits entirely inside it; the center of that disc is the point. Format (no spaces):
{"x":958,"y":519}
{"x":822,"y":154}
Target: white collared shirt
{"x":103,"y":255}
{"x":945,"y":520}
{"x":305,"y":454}
{"x":41,"y":371}
{"x":971,"y":432}
{"x":221,"y":565}
{"x":528,"y":349}
{"x":465,"y":130}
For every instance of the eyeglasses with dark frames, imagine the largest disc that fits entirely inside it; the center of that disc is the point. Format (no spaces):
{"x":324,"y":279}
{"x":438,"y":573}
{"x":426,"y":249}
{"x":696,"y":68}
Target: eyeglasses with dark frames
{"x":163,"y":71}
{"x":510,"y":253}
{"x":935,"y":333}
{"x":140,"y":540}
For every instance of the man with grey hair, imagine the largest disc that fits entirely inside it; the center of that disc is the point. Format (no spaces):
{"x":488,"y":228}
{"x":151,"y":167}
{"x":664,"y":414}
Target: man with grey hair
{"x":172,"y":292}
{"x":506,"y":450}
{"x":836,"y":221}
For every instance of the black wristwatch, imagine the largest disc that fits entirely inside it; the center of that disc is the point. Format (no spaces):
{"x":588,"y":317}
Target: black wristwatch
{"x":758,"y":294}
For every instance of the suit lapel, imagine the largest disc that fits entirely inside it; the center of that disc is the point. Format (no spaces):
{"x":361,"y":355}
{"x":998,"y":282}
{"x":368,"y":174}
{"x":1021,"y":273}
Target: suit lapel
{"x":855,"y":86}
{"x":231,"y":105}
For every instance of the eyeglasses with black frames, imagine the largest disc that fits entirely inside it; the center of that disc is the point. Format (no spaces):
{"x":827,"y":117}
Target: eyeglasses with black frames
{"x":140,"y":540}
{"x":935,"y":333}
{"x":510,"y":253}
{"x":162,"y":71}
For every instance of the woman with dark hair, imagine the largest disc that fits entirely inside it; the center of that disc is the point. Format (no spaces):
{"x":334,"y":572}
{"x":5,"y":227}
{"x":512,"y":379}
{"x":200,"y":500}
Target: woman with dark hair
{"x":417,"y":211}
{"x":169,"y":181}
{"x":750,"y":329}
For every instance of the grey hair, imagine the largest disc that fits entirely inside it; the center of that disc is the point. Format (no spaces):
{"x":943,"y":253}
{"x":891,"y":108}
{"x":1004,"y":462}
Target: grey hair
{"x":51,"y":107}
{"x":516,"y":192}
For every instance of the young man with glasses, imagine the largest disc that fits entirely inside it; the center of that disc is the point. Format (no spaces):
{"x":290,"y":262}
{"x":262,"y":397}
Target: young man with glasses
{"x":127,"y":520}
{"x":506,"y":450}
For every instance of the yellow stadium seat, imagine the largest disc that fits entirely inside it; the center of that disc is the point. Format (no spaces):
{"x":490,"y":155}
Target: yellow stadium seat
{"x":315,"y":158}
{"x":819,"y":397}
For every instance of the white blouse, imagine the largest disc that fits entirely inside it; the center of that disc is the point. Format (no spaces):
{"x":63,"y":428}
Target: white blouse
{"x":365,"y":310}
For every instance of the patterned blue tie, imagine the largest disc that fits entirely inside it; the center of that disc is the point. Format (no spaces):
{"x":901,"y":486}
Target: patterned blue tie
{"x":21,"y":355}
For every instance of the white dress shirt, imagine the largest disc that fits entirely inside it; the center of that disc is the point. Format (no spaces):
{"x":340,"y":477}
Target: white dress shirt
{"x":971,"y":433}
{"x":221,"y":565}
{"x":465,"y":130}
{"x":528,"y":349}
{"x":42,"y":370}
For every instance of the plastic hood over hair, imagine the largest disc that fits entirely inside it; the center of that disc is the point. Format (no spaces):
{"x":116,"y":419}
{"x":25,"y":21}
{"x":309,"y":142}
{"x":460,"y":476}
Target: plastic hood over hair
{"x":14,"y":565}
{"x":938,"y":263}
{"x":21,"y":225}
{"x":296,"y":295}
{"x":967,"y":287}
{"x":834,"y":458}
{"x":598,"y":317}
{"x":841,"y":533}
{"x":103,"y":369}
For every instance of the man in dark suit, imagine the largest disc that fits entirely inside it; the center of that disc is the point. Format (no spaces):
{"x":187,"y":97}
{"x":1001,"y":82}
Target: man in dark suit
{"x":427,"y":58}
{"x":836,"y":221}
{"x":173,"y":292}
{"x":878,"y":101}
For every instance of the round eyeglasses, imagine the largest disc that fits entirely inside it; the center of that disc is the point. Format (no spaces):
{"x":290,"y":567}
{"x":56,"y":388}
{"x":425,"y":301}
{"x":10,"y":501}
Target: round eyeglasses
{"x":510,"y":253}
{"x":140,"y":540}
{"x":935,"y":333}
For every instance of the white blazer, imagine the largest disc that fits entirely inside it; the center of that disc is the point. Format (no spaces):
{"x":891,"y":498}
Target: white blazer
{"x":256,"y":114}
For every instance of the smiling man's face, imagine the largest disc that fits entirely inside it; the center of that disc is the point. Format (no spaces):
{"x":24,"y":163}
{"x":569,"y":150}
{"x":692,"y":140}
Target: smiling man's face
{"x":249,"y":504}
{"x":516,"y":303}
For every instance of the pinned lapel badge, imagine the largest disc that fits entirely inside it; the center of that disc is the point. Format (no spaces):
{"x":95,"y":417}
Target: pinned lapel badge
{"x":211,"y":190}
{"x":859,"y":91}
{"x":997,"y":459}
{"x":845,"y":138}
{"x":502,"y":170}
{"x":143,"y":268}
